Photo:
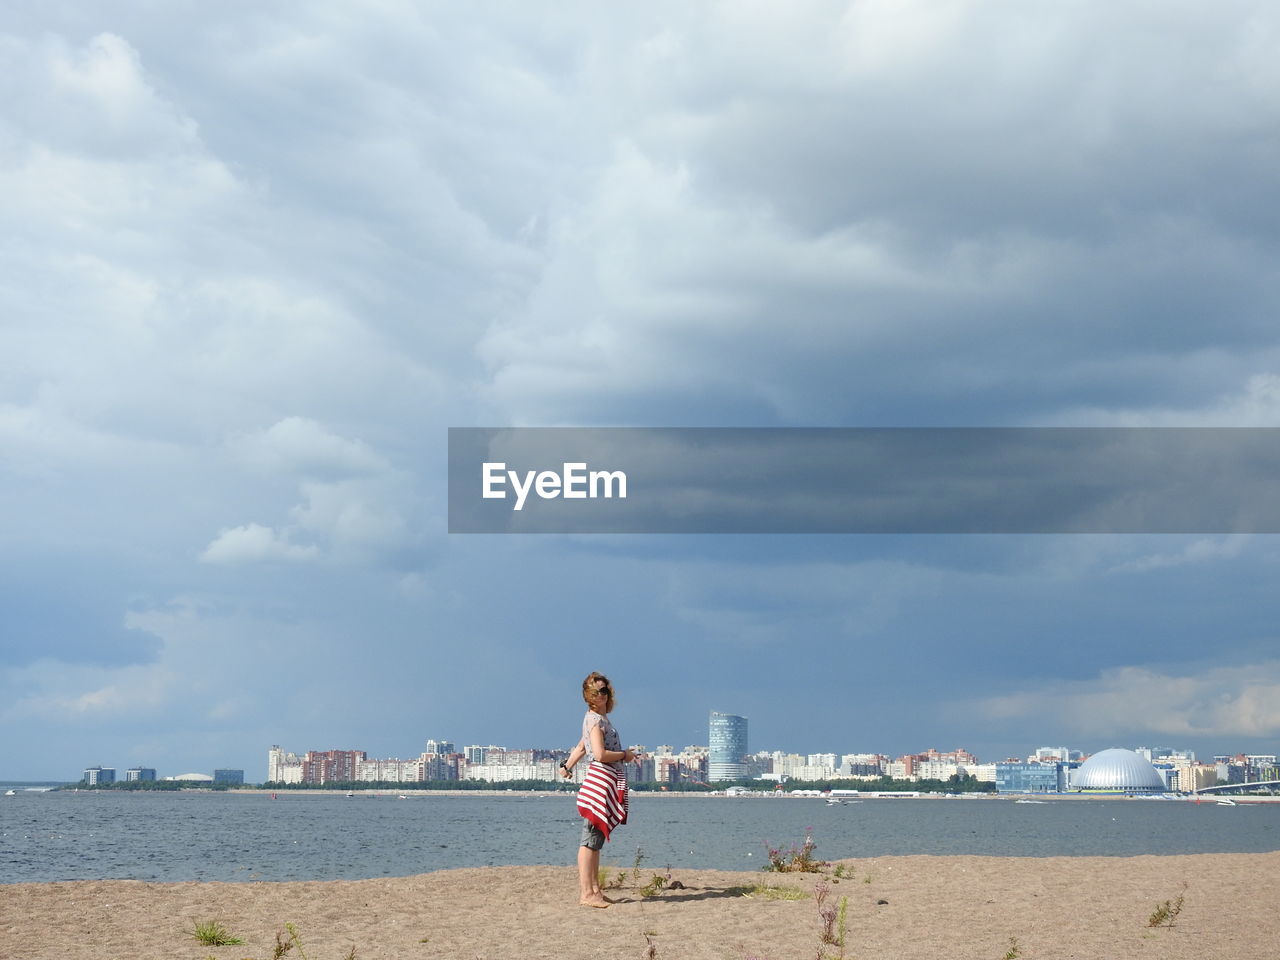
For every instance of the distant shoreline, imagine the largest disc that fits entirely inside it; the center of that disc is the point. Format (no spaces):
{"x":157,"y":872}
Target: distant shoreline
{"x":412,"y":793}
{"x":871,"y":795}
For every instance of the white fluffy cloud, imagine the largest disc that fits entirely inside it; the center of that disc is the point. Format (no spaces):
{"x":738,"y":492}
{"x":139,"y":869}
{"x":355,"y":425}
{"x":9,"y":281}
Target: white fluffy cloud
{"x":1221,"y":702}
{"x":254,"y":543}
{"x":301,"y":445}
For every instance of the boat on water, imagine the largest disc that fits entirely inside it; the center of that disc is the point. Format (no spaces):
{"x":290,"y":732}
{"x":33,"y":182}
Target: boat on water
{"x":10,"y":793}
{"x":1226,"y":802}
{"x":1031,"y":801}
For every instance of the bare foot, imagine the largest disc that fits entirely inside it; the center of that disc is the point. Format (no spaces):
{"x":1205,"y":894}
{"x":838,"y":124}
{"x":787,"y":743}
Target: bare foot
{"x":598,"y":900}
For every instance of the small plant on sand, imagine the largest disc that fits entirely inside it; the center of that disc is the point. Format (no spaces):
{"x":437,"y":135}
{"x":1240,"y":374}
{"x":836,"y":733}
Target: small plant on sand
{"x":286,"y":940}
{"x":651,"y":946}
{"x":1014,"y":951}
{"x":1166,"y":913}
{"x":794,"y":859}
{"x":213,"y":934}
{"x":635,"y":867}
{"x":767,"y":891}
{"x":834,"y":918}
{"x":659,"y":882}
{"x":654,"y":886}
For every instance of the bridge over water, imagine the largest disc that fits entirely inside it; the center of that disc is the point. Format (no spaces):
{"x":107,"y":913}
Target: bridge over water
{"x":1268,"y":787}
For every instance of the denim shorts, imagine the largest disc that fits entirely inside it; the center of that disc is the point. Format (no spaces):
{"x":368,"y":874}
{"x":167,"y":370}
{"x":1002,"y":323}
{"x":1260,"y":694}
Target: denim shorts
{"x":592,"y":838}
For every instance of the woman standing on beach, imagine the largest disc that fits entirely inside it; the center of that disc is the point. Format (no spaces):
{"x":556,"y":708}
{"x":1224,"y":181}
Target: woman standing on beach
{"x":602,"y":799}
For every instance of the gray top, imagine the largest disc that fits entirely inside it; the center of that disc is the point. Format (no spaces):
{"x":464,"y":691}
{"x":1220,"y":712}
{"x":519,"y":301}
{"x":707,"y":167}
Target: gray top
{"x":611,"y":739}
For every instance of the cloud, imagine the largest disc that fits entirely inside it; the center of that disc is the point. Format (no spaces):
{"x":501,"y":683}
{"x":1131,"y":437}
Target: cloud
{"x":1198,"y":551}
{"x":972,"y":232}
{"x":1222,"y":703}
{"x":1255,"y":403}
{"x":301,"y":445}
{"x":94,"y":99}
{"x":69,"y":694}
{"x":254,"y":259}
{"x":352,"y":506}
{"x":254,"y":543}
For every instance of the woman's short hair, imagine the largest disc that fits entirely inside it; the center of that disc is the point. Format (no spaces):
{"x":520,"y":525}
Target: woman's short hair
{"x":589,"y":689}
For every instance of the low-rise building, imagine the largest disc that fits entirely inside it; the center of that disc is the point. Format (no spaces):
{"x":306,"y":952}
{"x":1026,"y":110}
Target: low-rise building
{"x":1031,"y":777}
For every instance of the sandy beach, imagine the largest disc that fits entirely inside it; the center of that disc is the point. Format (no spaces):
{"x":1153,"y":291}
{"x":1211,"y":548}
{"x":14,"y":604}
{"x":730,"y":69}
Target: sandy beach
{"x":986,"y":908}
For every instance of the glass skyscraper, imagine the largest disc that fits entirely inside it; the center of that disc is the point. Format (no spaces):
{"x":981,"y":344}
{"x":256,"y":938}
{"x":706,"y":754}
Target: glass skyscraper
{"x":728,"y":742}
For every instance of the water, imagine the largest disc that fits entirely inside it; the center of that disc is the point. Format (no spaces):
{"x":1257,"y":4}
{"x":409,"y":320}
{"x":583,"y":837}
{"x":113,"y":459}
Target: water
{"x":218,"y":836}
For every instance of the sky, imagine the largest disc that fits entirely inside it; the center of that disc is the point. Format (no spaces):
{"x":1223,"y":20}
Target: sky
{"x":256,"y":261}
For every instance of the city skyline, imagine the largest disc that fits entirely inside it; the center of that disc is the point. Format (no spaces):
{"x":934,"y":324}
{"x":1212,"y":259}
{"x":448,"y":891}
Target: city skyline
{"x":476,"y":754}
{"x":260,"y":260}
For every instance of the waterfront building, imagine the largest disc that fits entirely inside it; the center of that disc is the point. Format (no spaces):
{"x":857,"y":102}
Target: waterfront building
{"x":1263,"y":766}
{"x":283,"y":767}
{"x":97,"y":776}
{"x":440,"y":766}
{"x":904,"y":768}
{"x":959,"y":756}
{"x":938,"y":770}
{"x":679,"y":769}
{"x":139,"y":774}
{"x":506,"y":772}
{"x":784,"y":765}
{"x":982,"y":772}
{"x":1180,"y":772}
{"x":825,"y":760}
{"x":233,"y":778}
{"x":1117,"y":771}
{"x":441,"y":747}
{"x":1022,"y":777}
{"x":1204,"y":775}
{"x":672,"y":769}
{"x":390,"y":770}
{"x":728,"y":739}
{"x":331,"y":766}
{"x":863,"y":764}
{"x":511,"y":757}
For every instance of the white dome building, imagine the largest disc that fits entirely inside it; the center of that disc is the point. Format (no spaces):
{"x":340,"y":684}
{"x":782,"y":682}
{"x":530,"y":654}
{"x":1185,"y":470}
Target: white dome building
{"x":1117,"y":771}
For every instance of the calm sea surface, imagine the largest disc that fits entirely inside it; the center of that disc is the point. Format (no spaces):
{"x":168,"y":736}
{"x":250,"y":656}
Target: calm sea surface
{"x":219,"y":836}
